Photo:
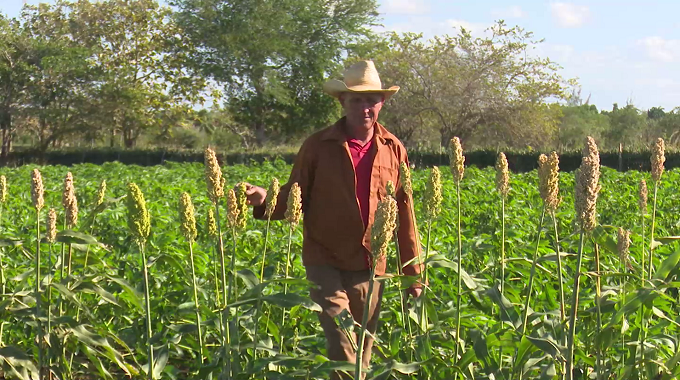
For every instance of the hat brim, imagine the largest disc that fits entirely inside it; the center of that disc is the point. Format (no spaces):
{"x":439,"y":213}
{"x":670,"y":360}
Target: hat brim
{"x":335,"y":88}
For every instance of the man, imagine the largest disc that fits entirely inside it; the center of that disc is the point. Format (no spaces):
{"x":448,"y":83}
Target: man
{"x":342,"y":171}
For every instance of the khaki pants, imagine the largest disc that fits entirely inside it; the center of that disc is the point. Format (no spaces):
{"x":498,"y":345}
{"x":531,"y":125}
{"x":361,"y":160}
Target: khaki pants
{"x":337,"y":290}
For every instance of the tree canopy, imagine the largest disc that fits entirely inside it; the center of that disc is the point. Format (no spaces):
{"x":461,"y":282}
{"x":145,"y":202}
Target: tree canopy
{"x":243,"y":74}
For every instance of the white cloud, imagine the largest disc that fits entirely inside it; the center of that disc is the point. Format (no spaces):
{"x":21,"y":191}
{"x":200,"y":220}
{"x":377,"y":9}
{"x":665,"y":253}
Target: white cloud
{"x":570,"y":15}
{"x":514,"y":11}
{"x":409,"y":7}
{"x":660,"y":49}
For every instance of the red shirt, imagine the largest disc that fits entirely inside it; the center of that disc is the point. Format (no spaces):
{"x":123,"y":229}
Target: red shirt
{"x":363,"y":163}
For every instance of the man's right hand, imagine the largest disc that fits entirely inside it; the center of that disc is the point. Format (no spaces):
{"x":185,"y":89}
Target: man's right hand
{"x":255,"y":195}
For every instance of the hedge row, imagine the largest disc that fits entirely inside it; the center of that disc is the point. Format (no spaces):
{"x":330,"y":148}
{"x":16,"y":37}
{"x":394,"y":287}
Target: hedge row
{"x":518,"y":162}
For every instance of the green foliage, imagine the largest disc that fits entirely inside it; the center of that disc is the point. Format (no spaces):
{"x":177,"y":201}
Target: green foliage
{"x":445,"y":79}
{"x":273,"y":56}
{"x":108,"y":338}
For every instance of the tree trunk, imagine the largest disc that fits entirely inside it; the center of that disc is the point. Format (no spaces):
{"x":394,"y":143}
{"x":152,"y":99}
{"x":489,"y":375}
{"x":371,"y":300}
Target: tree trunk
{"x":129,"y":137}
{"x":6,"y":128}
{"x":260,"y":133}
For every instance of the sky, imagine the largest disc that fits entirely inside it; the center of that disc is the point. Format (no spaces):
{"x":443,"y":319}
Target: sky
{"x":619,"y":51}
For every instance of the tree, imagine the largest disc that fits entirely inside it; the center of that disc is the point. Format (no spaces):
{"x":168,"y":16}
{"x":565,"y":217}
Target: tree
{"x":17,"y":63}
{"x":140,"y":54}
{"x":628,"y":126}
{"x":272,"y":56}
{"x":476,"y":88}
{"x":578,"y":122}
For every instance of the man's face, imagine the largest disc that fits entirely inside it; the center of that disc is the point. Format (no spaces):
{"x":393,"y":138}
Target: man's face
{"x":362,"y":109}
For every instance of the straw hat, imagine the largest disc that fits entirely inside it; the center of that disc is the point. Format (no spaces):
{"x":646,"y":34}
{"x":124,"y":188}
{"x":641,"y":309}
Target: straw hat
{"x":360,"y":77}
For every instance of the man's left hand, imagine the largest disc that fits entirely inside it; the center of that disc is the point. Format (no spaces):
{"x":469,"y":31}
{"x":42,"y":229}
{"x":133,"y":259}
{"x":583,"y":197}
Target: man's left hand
{"x":415,"y":290}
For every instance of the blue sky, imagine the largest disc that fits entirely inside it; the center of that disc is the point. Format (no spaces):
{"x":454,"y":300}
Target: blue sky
{"x":620,"y":51}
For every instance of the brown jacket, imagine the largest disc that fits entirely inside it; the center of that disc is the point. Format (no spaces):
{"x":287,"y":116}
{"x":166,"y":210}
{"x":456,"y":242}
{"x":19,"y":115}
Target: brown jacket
{"x":333,"y":230}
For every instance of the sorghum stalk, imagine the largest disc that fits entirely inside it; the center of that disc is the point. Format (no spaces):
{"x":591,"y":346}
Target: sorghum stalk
{"x":188,"y":228}
{"x":139,"y":223}
{"x":37,"y":195}
{"x":391,"y":192}
{"x":642,"y":204}
{"x":293,"y":214}
{"x":502,"y":179}
{"x":70,"y":203}
{"x":211,"y":227}
{"x":623,"y":247}
{"x":457,"y":163}
{"x":549,"y":172}
{"x":585,"y":201}
{"x":237,"y":209}
{"x":270,"y":206}
{"x":527,"y":301}
{"x":657,"y":160}
{"x":3,"y":195}
{"x":3,"y":288}
{"x":50,"y":236}
{"x":381,"y":235}
{"x":433,"y":202}
{"x":598,"y":306}
{"x":101,"y":193}
{"x":215,"y":189}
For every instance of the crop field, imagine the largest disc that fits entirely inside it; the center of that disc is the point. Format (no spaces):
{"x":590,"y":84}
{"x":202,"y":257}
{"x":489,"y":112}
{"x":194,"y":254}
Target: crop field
{"x":75,"y":306}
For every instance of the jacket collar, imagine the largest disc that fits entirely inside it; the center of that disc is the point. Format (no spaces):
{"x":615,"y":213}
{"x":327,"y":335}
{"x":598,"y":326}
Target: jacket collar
{"x":336,"y":132}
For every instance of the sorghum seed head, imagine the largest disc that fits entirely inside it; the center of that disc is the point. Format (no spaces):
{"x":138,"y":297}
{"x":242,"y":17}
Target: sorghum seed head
{"x":433,"y":194}
{"x":389,"y":188}
{"x":294,"y":205}
{"x":139,"y":220}
{"x":37,"y":190}
{"x":405,"y":178}
{"x":212,"y":223}
{"x":232,"y":209}
{"x":187,"y":217}
{"x":623,"y":246}
{"x":456,"y":159}
{"x":242,"y":203}
{"x":658,"y":158}
{"x":213,"y":176}
{"x":548,"y":178}
{"x":51,"y":226}
{"x":3,"y":189}
{"x":642,"y":197}
{"x":69,"y":201}
{"x":502,"y":174}
{"x":587,"y":186}
{"x":101,"y":193}
{"x":383,"y":228}
{"x":272,"y":198}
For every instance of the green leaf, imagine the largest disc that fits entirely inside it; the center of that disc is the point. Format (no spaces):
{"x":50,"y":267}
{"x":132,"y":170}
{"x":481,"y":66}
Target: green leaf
{"x":546,"y":345}
{"x":20,"y":364}
{"x":288,"y":300}
{"x":668,"y":266}
{"x":523,"y":352}
{"x":160,"y":360}
{"x":440,"y":261}
{"x":10,"y":242}
{"x":479,"y":345}
{"x":508,"y":312}
{"x":73,"y":237}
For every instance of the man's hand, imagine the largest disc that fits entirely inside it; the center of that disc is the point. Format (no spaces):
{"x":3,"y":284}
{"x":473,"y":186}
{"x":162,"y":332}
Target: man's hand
{"x":255,"y":195}
{"x":415,"y":290}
